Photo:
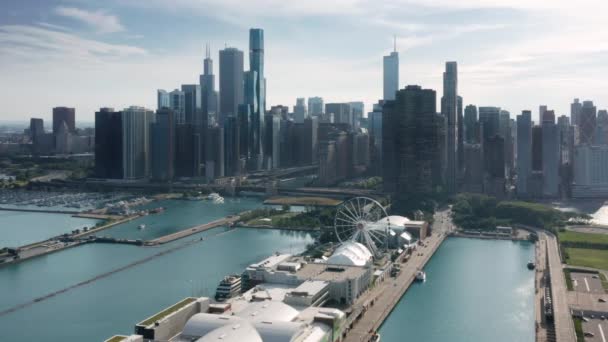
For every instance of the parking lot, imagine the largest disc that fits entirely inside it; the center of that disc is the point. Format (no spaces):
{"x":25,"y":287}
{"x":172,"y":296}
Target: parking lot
{"x":586,"y":282}
{"x":597,"y":327}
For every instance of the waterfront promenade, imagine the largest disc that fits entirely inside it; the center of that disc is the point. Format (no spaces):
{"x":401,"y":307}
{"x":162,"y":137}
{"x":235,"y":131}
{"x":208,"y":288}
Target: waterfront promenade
{"x":375,"y":305}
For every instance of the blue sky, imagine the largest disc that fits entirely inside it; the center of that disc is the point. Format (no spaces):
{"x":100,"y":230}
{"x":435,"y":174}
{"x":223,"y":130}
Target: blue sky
{"x":516,"y":54}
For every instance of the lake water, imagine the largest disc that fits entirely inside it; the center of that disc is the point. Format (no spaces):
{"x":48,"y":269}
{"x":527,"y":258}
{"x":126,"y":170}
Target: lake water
{"x":476,"y":290}
{"x":21,"y":228}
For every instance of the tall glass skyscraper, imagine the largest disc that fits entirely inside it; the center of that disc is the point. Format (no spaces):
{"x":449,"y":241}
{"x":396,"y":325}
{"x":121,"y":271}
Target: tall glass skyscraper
{"x":257,"y":88}
{"x":449,"y":108}
{"x":231,"y":82}
{"x":524,"y":152}
{"x":391,"y":75}
{"x":207,"y":84}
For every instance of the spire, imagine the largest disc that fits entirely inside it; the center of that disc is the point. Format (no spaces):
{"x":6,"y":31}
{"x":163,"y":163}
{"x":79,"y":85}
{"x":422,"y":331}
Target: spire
{"x":395,"y":43}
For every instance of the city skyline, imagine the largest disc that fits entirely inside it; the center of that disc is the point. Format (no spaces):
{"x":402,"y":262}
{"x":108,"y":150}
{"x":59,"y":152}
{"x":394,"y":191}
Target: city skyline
{"x":108,"y":44}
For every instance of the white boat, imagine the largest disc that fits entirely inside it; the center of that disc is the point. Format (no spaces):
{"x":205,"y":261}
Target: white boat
{"x":141,"y":226}
{"x":228,"y":288}
{"x":216,"y":198}
{"x":420,"y":276}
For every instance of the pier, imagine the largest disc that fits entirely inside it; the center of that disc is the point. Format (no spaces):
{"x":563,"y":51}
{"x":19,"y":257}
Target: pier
{"x":194,"y":230}
{"x":43,"y":211}
{"x":373,"y":307}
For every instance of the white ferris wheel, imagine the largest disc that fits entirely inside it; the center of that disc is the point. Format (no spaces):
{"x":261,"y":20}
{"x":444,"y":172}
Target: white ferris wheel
{"x":363,"y":220}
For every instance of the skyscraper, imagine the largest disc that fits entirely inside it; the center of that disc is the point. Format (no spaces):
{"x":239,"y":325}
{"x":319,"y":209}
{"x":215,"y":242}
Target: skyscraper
{"x":460,"y":136}
{"x":177,"y":102}
{"x":162,"y":145}
{"x":587,"y":123}
{"x":489,"y":121}
{"x":135,"y":137}
{"x":471,"y":128}
{"x":550,"y":151}
{"x":575,"y":112}
{"x":342,"y":113}
{"x":524,"y":151}
{"x":410,"y":146}
{"x":192,"y":104}
{"x":449,"y":108}
{"x":256,"y":70}
{"x":299,"y":110}
{"x":315,"y":106}
{"x":162,"y":99}
{"x":108,"y":144}
{"x":36,"y":129}
{"x":231,"y":82}
{"x":391,"y":74}
{"x":207,"y":84}
{"x":64,"y":114}
{"x":231,"y":146}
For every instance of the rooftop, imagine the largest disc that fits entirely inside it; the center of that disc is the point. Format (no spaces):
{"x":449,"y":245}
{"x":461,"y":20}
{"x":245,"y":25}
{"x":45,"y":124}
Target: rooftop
{"x":331,"y":273}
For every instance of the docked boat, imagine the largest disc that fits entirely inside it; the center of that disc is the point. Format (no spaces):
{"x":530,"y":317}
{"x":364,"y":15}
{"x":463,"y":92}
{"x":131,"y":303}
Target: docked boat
{"x":229,"y":287}
{"x":531,"y":265}
{"x":141,"y":226}
{"x":420,"y":276}
{"x":376,"y":337}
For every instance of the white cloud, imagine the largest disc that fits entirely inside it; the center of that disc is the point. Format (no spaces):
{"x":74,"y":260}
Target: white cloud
{"x":98,"y":20}
{"x":33,"y":44}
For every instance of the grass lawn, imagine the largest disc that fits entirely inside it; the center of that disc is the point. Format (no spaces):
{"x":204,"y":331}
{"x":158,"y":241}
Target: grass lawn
{"x":596,"y":258}
{"x":569,"y":236}
{"x":167,"y":311}
{"x":578,"y":328}
{"x":117,"y":338}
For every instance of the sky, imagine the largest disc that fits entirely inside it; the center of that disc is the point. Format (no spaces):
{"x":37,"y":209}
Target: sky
{"x":515,"y":54}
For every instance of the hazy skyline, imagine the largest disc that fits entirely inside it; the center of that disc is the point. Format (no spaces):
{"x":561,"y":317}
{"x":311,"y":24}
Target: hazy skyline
{"x":515,"y":54}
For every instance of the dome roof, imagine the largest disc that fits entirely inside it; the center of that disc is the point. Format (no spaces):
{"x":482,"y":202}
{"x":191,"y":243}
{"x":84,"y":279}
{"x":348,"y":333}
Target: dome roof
{"x":237,"y":332}
{"x":350,"y":254}
{"x":268,"y":311}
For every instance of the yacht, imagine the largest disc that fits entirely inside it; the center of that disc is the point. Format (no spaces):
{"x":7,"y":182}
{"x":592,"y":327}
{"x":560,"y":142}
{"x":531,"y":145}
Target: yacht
{"x":420,"y":276}
{"x":531,"y":265}
{"x":229,"y":287}
{"x":141,"y":226}
{"x":216,"y":198}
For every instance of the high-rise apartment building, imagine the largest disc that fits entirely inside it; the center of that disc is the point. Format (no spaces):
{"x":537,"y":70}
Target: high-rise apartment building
{"x":410,"y":142}
{"x":135,"y":137}
{"x":192,"y":104}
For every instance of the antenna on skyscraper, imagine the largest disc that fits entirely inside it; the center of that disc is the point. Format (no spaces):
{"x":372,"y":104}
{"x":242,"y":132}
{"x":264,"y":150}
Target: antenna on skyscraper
{"x":395,"y":43}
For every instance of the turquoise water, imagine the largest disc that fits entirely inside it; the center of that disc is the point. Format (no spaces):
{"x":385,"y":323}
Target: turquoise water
{"x":476,"y":290}
{"x":114,"y":304}
{"x":21,"y":228}
{"x":179,"y":215}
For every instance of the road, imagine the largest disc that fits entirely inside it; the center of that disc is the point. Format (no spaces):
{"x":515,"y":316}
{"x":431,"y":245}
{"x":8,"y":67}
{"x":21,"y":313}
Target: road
{"x":564,"y":326}
{"x":387,"y":294}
